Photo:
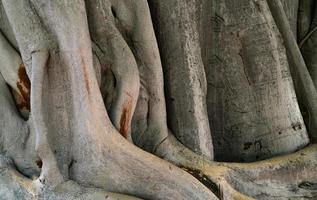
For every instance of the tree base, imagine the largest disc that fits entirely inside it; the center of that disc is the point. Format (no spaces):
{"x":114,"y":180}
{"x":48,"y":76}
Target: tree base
{"x":286,"y":177}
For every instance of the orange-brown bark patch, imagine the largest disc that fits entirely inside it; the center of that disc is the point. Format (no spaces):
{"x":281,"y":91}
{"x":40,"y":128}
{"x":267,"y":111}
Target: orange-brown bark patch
{"x":23,"y":84}
{"x":125,"y":118}
{"x":20,"y":102}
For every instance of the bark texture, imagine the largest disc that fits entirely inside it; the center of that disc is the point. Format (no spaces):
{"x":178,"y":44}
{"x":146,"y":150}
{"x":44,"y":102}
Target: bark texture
{"x":136,"y":99}
{"x":252,"y":106}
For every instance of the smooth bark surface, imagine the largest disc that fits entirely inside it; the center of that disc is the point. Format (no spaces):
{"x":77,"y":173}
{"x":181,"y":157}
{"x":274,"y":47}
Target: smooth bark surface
{"x":135,"y":99}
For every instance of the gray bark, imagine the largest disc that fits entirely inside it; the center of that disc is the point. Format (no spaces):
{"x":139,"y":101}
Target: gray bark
{"x":88,"y":86}
{"x":185,"y":79}
{"x":250,"y":90}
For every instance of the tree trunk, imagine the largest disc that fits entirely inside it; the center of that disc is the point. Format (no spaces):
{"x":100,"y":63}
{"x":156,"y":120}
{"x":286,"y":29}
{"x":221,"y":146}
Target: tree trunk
{"x":116,"y":99}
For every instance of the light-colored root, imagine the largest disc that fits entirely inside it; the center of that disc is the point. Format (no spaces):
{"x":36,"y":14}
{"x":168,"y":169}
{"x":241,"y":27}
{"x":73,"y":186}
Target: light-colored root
{"x":50,"y":174}
{"x":114,"y":48}
{"x":100,"y":156}
{"x":130,"y":170}
{"x":15,"y":186}
{"x":127,"y":87}
{"x":208,"y":172}
{"x":150,"y":115}
{"x":286,"y":177}
{"x":294,"y":174}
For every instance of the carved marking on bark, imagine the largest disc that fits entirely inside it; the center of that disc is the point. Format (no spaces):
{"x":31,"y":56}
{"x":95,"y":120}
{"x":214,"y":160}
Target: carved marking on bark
{"x":217,"y":22}
{"x":247,"y":145}
{"x":297,"y":126}
{"x":39,"y":163}
{"x":125,"y":117}
{"x":23,"y":84}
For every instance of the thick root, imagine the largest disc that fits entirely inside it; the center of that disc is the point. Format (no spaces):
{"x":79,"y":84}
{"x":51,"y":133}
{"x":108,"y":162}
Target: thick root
{"x":100,"y":156}
{"x":13,"y":186}
{"x":113,"y":48}
{"x":50,"y":174}
{"x":292,"y":176}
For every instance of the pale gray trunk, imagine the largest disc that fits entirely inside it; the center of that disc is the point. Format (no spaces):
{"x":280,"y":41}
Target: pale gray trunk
{"x":252,"y":106}
{"x":85,"y":83}
{"x":185,"y":80}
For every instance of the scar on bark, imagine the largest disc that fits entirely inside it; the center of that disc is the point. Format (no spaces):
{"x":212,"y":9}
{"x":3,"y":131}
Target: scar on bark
{"x":23,"y":84}
{"x":125,"y":118}
{"x":203,"y":179}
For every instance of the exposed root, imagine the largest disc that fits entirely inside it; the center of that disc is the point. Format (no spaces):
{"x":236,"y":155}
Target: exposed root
{"x":257,"y":180}
{"x":100,"y":157}
{"x":15,"y":186}
{"x":113,"y":47}
{"x":50,"y":174}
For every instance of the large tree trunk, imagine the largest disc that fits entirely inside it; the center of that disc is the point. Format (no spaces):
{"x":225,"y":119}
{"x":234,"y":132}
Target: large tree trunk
{"x":252,"y":106}
{"x":93,"y":92}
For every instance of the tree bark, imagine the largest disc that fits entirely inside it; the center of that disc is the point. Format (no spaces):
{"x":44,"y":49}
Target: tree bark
{"x":93,"y":92}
